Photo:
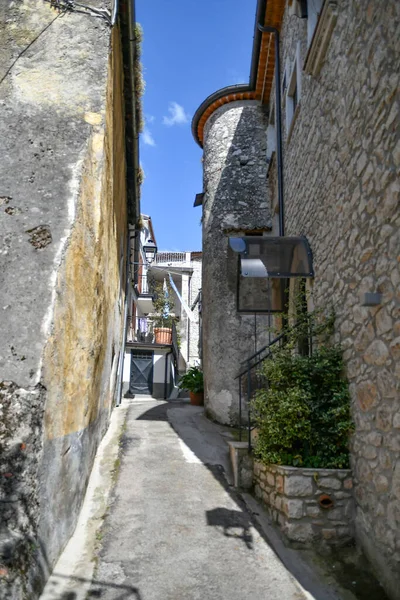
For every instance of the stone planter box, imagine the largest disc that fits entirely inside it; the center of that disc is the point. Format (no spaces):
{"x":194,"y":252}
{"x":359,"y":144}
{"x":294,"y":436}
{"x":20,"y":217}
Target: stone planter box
{"x":310,"y":505}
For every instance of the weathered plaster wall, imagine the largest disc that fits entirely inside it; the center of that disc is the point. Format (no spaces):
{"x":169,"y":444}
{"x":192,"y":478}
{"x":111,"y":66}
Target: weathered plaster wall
{"x":62,"y":176}
{"x":195,"y":285}
{"x":234,"y":201}
{"x":342,"y":192}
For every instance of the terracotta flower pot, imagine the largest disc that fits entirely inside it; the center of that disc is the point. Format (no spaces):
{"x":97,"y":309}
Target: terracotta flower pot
{"x":163,"y":335}
{"x":197,"y":399}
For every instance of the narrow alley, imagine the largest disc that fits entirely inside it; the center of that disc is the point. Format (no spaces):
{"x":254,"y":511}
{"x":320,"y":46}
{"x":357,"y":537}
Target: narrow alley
{"x":174,"y":529}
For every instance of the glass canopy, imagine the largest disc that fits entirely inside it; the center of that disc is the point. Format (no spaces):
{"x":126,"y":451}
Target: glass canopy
{"x":263,"y":268}
{"x":273,"y":257}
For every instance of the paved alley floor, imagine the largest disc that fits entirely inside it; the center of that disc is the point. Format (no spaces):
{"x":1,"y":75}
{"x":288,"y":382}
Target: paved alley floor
{"x":174,"y":529}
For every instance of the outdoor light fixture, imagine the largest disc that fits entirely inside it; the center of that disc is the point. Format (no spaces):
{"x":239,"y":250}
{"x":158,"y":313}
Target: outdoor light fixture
{"x":150,"y":251}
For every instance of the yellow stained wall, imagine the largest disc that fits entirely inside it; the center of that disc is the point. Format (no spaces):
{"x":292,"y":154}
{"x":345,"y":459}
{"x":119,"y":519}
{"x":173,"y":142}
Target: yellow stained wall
{"x":81,"y":355}
{"x":91,"y":282}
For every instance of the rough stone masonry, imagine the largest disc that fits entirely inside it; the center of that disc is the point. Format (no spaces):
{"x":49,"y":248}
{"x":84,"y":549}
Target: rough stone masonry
{"x":63,"y":220}
{"x":312,"y":506}
{"x":341,"y":165}
{"x":234,"y":202}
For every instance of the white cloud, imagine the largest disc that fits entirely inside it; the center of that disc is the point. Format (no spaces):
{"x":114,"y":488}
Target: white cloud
{"x":147,"y":138}
{"x":177,"y":115}
{"x":150,"y":118}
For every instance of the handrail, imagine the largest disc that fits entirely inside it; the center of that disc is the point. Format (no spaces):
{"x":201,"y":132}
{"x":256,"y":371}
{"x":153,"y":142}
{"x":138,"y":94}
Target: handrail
{"x":274,"y":341}
{"x":250,"y":371}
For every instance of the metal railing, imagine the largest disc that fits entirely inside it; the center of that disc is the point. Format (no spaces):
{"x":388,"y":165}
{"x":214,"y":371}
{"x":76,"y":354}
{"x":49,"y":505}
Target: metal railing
{"x":251,"y":378}
{"x":171,"y":257}
{"x":145,"y":285}
{"x":175,"y":341}
{"x":150,"y":330}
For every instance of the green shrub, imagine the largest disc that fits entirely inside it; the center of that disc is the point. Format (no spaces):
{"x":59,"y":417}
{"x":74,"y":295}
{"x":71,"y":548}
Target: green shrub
{"x":192,"y":380}
{"x":303,"y":415}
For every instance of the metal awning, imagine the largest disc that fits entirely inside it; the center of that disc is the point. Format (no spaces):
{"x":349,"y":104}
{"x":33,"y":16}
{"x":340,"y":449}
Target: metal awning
{"x":273,"y":257}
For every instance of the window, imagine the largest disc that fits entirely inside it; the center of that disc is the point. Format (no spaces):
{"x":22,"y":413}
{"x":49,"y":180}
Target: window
{"x":293,"y":93}
{"x":320,"y":26}
{"x":271,"y":141}
{"x":313,"y":11}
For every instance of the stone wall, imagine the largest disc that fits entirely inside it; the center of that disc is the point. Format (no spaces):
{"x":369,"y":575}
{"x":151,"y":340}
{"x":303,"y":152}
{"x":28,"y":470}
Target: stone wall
{"x":234,"y":201}
{"x":341,"y":165}
{"x":310,"y":505}
{"x":63,"y":216}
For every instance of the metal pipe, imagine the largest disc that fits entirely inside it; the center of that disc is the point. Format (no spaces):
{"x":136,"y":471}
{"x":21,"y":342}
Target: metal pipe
{"x":166,"y":373}
{"x":278,"y":109}
{"x":125,"y":328}
{"x":114,"y":13}
{"x":240,"y":408}
{"x":248,"y":404}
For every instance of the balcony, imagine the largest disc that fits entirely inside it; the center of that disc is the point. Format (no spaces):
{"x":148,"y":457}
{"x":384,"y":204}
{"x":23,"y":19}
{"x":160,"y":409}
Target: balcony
{"x":178,"y":259}
{"x":151,"y":331}
{"x":145,"y":293}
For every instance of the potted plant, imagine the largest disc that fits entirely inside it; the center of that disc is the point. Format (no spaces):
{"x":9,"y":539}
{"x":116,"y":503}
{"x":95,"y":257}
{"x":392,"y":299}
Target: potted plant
{"x":193,"y":382}
{"x":163,"y":305}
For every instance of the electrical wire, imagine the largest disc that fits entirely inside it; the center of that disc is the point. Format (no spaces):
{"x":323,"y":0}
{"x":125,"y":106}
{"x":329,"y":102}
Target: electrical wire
{"x":70,"y":5}
{"x":27,"y":48}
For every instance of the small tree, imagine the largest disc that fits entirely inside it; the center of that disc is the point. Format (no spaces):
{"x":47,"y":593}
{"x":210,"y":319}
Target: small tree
{"x":163,"y":305}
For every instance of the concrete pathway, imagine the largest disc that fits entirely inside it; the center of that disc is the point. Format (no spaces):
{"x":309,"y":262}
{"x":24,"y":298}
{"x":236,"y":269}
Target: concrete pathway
{"x":175,"y":530}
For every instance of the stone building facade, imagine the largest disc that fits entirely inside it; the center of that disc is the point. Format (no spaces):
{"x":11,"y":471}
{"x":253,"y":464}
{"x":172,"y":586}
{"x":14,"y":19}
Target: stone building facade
{"x":67,"y":193}
{"x":341,"y":165}
{"x":234,"y":201}
{"x":341,"y":158}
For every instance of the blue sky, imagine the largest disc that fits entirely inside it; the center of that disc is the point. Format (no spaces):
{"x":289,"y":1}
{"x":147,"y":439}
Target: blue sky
{"x":191,"y":48}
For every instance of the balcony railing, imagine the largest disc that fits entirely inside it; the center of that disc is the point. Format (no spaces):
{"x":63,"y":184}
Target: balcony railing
{"x":145,"y":285}
{"x":172,"y":257}
{"x":151,"y":330}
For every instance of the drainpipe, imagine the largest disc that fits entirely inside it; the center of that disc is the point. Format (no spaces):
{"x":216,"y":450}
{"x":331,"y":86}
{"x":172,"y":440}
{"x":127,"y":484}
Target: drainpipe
{"x":278,"y":110}
{"x":166,"y":374}
{"x":123,"y":342}
{"x":114,"y":13}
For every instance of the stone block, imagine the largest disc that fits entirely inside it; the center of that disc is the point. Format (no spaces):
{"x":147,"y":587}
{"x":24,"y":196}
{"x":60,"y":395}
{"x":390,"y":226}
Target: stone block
{"x":293,"y":508}
{"x":381,"y":483}
{"x":328,"y":534}
{"x":348,"y":484}
{"x":279,"y":484}
{"x":367,"y":394}
{"x":271,"y":478}
{"x":313,"y":511}
{"x":297,"y":485}
{"x":278,"y":503}
{"x":299,"y":532}
{"x":329,"y":483}
{"x":376,"y":353}
{"x":335,"y":514}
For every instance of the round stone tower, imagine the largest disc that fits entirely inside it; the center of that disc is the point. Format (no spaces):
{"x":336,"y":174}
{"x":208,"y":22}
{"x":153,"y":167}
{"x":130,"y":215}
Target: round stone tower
{"x":235,"y":202}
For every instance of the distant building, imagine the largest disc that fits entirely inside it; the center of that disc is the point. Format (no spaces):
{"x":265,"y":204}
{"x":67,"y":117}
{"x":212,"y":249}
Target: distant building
{"x":160,"y":346}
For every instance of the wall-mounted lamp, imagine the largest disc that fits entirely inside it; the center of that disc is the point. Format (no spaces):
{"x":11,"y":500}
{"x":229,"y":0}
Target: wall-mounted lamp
{"x":371,"y":299}
{"x":150,"y":251}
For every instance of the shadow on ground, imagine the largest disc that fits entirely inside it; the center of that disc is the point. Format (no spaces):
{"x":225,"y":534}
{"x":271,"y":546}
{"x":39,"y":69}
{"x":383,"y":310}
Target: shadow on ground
{"x":321,"y":574}
{"x":98,"y":589}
